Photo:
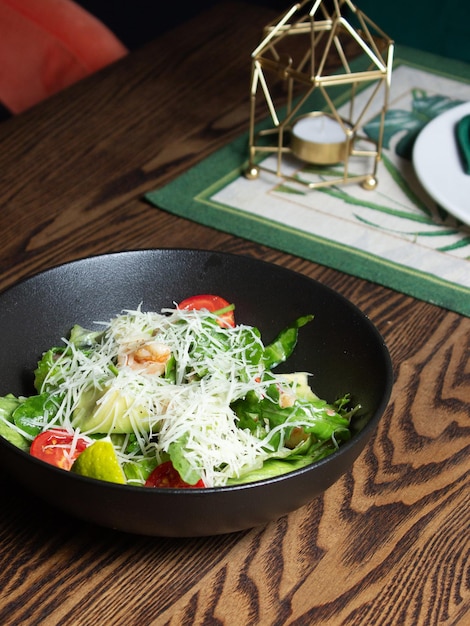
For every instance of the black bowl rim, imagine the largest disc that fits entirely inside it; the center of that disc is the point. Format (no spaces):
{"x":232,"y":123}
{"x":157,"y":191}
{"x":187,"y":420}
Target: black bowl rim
{"x":365,"y":432}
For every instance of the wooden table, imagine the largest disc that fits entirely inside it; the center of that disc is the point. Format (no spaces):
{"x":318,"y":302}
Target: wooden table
{"x":387,"y":544}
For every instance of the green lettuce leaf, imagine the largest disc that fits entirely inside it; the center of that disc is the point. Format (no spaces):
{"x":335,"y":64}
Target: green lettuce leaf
{"x":8,"y":404}
{"x":32,"y":412}
{"x":282,"y":347}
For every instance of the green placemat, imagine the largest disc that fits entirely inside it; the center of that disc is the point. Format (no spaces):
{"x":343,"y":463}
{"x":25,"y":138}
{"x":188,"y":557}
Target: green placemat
{"x":395,"y":235}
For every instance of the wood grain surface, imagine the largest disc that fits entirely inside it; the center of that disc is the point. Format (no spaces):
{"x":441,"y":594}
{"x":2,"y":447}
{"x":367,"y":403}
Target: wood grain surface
{"x":389,"y":543}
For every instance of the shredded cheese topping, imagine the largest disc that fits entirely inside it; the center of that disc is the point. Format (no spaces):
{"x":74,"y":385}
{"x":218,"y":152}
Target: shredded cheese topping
{"x":99,"y":391}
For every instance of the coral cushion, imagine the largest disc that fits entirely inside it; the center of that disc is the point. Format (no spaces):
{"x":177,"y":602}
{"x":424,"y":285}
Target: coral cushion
{"x":46,"y":45}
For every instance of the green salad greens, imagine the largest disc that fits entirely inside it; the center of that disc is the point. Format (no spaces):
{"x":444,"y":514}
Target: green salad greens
{"x":176,"y":388}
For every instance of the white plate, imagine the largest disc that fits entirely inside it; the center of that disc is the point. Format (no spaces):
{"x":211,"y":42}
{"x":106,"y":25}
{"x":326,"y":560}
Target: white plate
{"x":438,"y":165}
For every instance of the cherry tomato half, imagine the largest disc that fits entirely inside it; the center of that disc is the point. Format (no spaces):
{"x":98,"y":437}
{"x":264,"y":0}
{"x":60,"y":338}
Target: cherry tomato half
{"x":212,"y":304}
{"x":166,"y":476}
{"x":58,"y":447}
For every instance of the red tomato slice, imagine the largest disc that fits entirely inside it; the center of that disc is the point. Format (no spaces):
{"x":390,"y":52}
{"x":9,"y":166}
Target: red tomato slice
{"x":212,"y":304}
{"x":166,"y":476}
{"x":58,"y":447}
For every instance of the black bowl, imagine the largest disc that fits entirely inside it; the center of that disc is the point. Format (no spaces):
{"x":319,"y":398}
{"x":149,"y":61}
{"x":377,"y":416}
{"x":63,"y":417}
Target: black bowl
{"x":341,"y":347}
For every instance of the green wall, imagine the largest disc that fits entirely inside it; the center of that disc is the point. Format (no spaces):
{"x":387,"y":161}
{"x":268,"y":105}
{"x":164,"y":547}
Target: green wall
{"x":439,"y":26}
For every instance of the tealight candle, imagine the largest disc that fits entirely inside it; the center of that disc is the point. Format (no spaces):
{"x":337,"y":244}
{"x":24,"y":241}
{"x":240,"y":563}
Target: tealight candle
{"x":319,"y":138}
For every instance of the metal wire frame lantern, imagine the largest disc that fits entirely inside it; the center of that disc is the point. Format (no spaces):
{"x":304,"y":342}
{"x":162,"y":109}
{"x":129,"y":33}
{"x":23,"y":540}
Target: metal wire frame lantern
{"x":308,"y":54}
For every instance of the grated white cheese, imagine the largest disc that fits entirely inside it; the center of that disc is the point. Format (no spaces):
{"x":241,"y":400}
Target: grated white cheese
{"x":95,"y":397}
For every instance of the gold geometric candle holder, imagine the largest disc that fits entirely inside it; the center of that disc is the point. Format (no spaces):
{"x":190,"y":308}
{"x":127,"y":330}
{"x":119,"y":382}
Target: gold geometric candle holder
{"x":308,"y":58}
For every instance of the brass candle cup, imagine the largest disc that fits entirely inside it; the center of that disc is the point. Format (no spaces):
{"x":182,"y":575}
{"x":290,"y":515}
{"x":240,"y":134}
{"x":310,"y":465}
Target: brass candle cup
{"x":320,"y":139}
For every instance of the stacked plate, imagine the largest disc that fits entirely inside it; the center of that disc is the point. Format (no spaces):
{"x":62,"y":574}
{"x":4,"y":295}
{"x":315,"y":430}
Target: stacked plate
{"x":438,"y":163}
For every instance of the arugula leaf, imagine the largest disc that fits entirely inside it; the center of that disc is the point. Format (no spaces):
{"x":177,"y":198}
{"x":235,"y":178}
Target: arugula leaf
{"x":283,"y":346}
{"x":209,"y":343}
{"x":318,"y":417}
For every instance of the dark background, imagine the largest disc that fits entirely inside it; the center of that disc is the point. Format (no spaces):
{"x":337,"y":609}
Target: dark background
{"x":136,"y":22}
{"x":439,"y":26}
